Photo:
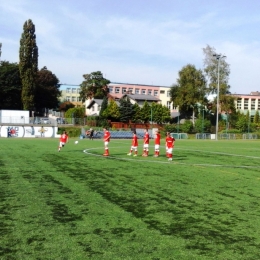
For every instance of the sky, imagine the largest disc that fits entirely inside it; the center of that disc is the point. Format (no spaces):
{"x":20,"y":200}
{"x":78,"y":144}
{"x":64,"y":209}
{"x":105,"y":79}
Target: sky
{"x":137,"y":41}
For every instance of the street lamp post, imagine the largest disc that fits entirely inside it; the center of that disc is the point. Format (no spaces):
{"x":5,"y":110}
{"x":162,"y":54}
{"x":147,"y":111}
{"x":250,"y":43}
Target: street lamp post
{"x":218,"y":57}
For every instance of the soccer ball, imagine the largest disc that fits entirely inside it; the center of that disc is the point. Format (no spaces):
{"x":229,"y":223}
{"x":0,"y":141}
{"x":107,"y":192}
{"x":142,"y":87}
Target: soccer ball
{"x":76,"y":142}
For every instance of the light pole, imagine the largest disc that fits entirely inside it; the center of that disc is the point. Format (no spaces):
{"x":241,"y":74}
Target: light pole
{"x":218,"y":57}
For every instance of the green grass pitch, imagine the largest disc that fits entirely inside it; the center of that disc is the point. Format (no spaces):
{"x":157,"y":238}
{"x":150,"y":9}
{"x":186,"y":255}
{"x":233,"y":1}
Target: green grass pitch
{"x":76,"y":204}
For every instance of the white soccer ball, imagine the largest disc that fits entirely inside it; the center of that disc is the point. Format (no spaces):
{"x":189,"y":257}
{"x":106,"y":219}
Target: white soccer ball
{"x":76,"y":142}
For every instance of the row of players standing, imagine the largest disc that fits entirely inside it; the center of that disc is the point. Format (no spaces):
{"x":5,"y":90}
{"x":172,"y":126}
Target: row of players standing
{"x":169,"y":144}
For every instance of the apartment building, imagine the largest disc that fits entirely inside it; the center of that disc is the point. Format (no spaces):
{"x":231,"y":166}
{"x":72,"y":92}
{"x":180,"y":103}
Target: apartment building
{"x":138,"y":93}
{"x":248,"y":102}
{"x":71,"y":93}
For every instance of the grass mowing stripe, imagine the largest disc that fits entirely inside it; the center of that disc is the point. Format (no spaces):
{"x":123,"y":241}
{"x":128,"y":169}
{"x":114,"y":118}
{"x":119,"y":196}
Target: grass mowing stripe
{"x":70,"y":205}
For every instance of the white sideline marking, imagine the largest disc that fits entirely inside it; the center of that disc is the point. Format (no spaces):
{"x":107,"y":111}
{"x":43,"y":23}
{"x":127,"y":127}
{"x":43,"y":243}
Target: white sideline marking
{"x":173,"y":162}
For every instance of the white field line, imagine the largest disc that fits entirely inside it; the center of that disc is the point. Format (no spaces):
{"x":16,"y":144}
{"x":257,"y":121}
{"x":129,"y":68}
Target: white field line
{"x":86,"y":151}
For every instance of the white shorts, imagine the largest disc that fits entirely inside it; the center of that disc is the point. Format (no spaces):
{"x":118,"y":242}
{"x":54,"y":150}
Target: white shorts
{"x":169,"y":150}
{"x":62,"y":144}
{"x":157,"y":147}
{"x":134,"y":148}
{"x":146,"y":146}
{"x":106,"y":143}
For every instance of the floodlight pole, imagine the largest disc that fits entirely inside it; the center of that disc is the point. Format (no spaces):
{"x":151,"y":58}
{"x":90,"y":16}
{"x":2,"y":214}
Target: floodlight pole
{"x":218,"y":57}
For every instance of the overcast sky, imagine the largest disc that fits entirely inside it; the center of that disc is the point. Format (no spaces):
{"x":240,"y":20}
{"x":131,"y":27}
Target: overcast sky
{"x":137,"y":41}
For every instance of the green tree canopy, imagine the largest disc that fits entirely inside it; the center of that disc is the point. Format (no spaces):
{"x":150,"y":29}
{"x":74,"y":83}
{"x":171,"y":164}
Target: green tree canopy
{"x":211,"y":70}
{"x":28,"y":65}
{"x":104,"y":105}
{"x":137,"y":114}
{"x":94,"y":86}
{"x":112,"y":111}
{"x":125,"y":109}
{"x":10,"y":86}
{"x":48,"y":93}
{"x":189,"y":90}
{"x":159,"y":113}
{"x":146,"y":112}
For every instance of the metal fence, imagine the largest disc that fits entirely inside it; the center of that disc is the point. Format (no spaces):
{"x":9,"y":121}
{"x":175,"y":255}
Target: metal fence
{"x":250,"y":136}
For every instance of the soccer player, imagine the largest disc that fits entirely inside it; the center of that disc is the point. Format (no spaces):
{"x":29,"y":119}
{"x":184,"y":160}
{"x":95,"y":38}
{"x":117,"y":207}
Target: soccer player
{"x":64,"y":138}
{"x":134,"y":144}
{"x":169,"y":145}
{"x":146,"y":143}
{"x":106,"y":140}
{"x":157,"y":142}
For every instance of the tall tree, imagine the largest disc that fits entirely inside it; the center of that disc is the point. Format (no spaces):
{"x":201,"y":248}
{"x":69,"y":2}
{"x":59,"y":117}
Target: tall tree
{"x":125,"y":109}
{"x":189,"y":90}
{"x":159,"y":113}
{"x":146,"y":112}
{"x":112,"y":111}
{"x":256,"y":117}
{"x":48,"y":93}
{"x":137,"y":114}
{"x":211,"y":70}
{"x":103,"y":107}
{"x":10,"y":86}
{"x":28,"y":64}
{"x":94,"y":86}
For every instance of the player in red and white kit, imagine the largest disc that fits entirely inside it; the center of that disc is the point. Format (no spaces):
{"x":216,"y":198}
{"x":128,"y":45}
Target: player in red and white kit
{"x":157,"y":142}
{"x":106,"y":141}
{"x":134,"y":145}
{"x":64,"y":138}
{"x":146,"y":143}
{"x":169,"y":142}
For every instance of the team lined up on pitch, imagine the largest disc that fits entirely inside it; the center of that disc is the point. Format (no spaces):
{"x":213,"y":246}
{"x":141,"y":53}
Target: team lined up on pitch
{"x":169,"y":143}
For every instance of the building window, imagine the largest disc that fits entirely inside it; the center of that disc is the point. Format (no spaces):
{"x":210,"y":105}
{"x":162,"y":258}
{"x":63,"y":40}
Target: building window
{"x":78,"y":90}
{"x":137,"y":91}
{"x":74,"y":90}
{"x":149,"y":92}
{"x":78,"y":99}
{"x":168,"y":104}
{"x":143,"y":91}
{"x":117,"y":90}
{"x":246,"y":103}
{"x":168,"y":93}
{"x":123,"y":90}
{"x":239,"y":103}
{"x":110,"y":89}
{"x":258,"y":104}
{"x":67,"y":98}
{"x":155,"y":93}
{"x":99,"y":107}
{"x":162,"y":91}
{"x":252,"y":104}
{"x":68,"y":90}
{"x":93,"y":108}
{"x":73,"y":99}
{"x":130,"y":91}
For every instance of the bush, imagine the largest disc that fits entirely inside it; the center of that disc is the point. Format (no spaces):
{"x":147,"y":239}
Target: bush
{"x":71,"y":131}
